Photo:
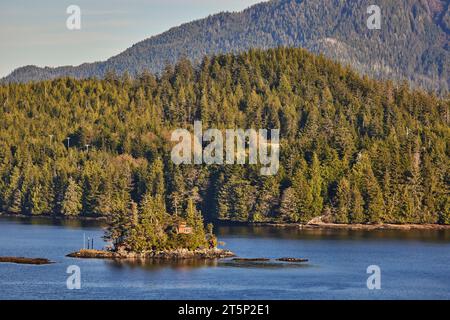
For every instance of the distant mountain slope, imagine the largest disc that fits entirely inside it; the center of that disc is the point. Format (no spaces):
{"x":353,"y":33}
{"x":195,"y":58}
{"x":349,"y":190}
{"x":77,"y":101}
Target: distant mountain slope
{"x":412,"y":44}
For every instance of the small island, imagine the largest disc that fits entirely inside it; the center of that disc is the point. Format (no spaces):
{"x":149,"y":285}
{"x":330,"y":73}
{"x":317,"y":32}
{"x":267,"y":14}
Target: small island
{"x":148,"y":232}
{"x":23,"y":260}
{"x":169,"y":254}
{"x":288,"y":259}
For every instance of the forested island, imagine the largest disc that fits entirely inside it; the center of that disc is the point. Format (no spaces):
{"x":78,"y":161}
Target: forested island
{"x":353,"y":150}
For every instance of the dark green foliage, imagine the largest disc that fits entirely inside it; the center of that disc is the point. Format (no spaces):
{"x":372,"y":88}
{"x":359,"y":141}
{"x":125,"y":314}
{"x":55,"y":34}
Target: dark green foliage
{"x":71,"y":204}
{"x":353,"y":149}
{"x":147,"y":232}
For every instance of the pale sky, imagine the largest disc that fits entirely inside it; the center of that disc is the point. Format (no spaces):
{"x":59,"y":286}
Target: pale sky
{"x":35,"y":32}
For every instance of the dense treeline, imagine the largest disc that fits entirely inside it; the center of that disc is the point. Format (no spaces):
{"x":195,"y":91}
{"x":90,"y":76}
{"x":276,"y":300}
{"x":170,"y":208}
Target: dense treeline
{"x":353,"y":150}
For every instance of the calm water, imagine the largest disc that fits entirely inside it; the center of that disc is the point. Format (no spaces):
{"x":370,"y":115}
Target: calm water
{"x":414,"y":265}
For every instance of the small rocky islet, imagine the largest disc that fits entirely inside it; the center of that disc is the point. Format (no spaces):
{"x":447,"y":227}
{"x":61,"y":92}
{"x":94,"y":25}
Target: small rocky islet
{"x":23,"y":260}
{"x":286,"y":259}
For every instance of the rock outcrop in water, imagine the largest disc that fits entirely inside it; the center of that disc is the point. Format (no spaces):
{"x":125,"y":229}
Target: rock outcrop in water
{"x":292,"y":259}
{"x":22,"y":260}
{"x":251,"y":259}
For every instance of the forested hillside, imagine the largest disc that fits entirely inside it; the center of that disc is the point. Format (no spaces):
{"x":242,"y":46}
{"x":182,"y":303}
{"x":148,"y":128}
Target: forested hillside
{"x":353,"y":149}
{"x":413,"y":42}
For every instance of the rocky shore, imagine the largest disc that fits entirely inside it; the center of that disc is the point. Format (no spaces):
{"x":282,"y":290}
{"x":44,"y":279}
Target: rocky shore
{"x":176,"y":254}
{"x":386,"y":226}
{"x":317,"y":224}
{"x":52,"y":217}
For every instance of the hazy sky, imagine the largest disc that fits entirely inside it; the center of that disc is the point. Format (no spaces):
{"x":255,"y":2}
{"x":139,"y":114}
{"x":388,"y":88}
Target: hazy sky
{"x":35,"y":32}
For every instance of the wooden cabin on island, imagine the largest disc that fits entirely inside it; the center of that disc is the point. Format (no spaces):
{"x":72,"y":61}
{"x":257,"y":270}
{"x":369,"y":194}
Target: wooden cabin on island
{"x":182,"y":228}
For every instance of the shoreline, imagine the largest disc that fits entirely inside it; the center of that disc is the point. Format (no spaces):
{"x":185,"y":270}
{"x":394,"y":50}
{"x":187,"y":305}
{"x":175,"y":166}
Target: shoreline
{"x":176,"y":254}
{"x":367,"y":227}
{"x":312,"y":225}
{"x":49,"y":217}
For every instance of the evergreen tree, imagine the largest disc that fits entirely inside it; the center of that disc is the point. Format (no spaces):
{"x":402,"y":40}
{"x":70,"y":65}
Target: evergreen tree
{"x":357,"y":208}
{"x":344,"y":202}
{"x":71,"y":204}
{"x":316,"y":187}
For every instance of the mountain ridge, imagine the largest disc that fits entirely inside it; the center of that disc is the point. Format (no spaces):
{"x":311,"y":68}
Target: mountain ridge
{"x":413,"y":43}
